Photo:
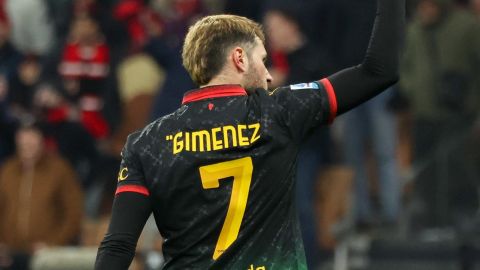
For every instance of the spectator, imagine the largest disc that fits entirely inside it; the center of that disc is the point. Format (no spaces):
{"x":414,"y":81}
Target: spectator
{"x":85,"y":56}
{"x":84,"y":69}
{"x":439,"y":77}
{"x":22,"y":88}
{"x":63,"y":12}
{"x":373,"y":124}
{"x":40,"y":199}
{"x":369,"y":125}
{"x":32,"y":32}
{"x":65,"y":132}
{"x":296,"y":59}
{"x":140,"y":19}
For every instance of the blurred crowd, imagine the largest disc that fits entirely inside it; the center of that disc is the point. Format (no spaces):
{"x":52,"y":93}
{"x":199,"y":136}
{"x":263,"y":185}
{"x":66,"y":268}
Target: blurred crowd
{"x":77,"y":76}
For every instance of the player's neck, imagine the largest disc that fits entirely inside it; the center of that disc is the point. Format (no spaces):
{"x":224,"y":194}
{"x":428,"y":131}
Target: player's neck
{"x":224,"y":78}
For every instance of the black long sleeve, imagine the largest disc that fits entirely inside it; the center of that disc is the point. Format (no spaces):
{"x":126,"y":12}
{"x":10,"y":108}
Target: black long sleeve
{"x":379,"y":69}
{"x":129,"y":213}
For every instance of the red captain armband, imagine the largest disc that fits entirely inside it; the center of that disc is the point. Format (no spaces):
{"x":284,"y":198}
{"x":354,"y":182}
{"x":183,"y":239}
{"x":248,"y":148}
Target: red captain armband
{"x":332,"y":99}
{"x":132,"y":188}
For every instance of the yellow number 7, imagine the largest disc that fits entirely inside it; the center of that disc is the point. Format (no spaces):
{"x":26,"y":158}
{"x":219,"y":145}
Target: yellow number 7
{"x":241,"y":170}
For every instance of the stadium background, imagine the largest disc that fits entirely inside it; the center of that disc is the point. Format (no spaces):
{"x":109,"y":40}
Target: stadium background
{"x":89,"y":72}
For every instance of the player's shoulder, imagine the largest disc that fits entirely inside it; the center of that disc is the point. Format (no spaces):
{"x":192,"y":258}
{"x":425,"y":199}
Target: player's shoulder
{"x":149,"y":133}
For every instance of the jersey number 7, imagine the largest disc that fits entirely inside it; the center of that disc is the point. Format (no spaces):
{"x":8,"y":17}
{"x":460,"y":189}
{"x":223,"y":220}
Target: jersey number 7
{"x":241,"y":170}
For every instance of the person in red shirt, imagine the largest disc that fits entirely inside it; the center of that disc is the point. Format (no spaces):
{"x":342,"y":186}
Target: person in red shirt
{"x":84,"y":68}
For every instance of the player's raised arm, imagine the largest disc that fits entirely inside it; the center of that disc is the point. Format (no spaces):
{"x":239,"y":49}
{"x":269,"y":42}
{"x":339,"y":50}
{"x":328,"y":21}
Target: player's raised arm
{"x":379,"y":69}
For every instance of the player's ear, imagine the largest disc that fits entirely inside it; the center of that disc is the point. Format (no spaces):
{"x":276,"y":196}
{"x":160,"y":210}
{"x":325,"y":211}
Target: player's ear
{"x":239,"y":58}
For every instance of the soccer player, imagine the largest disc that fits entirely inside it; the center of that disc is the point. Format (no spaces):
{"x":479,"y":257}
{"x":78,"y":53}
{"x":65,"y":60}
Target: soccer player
{"x":218,"y":173}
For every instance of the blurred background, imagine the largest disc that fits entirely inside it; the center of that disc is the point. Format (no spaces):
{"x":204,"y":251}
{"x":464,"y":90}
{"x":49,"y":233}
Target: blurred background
{"x":392,"y":184}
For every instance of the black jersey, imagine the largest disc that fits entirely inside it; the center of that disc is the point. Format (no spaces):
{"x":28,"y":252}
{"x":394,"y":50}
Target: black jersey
{"x":220,"y":174}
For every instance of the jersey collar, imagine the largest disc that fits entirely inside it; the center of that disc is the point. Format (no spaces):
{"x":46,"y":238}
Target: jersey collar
{"x":215,"y":91}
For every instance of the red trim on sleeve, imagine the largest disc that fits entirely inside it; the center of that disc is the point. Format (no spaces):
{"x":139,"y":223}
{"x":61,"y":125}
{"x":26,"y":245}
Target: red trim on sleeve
{"x":132,"y":188}
{"x":332,"y":99}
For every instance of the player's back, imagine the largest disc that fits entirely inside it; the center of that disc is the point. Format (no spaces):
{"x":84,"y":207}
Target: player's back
{"x":220,"y":173}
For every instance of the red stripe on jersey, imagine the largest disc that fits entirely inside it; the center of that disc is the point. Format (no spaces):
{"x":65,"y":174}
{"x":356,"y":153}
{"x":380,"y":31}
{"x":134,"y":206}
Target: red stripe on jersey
{"x":132,"y":188}
{"x":332,"y":99}
{"x":214,"y":92}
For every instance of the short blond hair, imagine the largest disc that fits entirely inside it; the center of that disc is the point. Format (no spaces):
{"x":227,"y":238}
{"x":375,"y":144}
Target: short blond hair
{"x":209,"y":39}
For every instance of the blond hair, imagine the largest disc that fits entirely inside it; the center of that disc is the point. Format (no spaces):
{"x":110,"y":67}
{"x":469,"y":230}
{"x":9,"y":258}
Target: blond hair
{"x":208,"y":40}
